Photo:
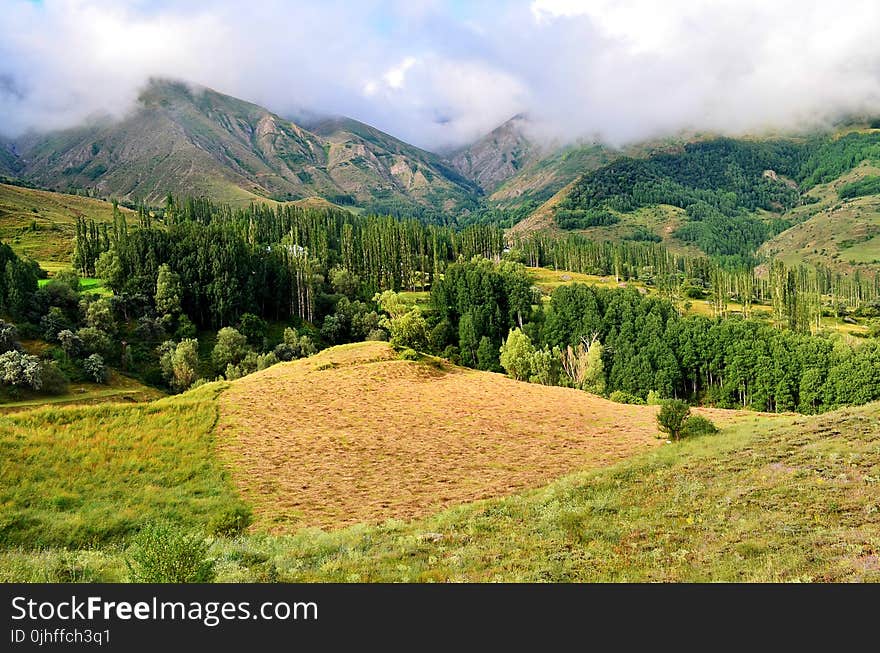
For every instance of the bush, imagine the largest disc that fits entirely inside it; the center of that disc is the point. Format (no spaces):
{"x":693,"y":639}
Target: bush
{"x":54,"y":380}
{"x":95,"y":368}
{"x":654,"y":398}
{"x":231,"y":522}
{"x":163,"y":553}
{"x":672,"y":416}
{"x":623,"y":397}
{"x":20,"y":369}
{"x":697,"y":425}
{"x":410,"y":330}
{"x":409,"y":355}
{"x":379,"y":335}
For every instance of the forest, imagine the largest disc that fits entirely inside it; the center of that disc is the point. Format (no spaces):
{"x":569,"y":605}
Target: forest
{"x":202,"y":291}
{"x":721,"y":184}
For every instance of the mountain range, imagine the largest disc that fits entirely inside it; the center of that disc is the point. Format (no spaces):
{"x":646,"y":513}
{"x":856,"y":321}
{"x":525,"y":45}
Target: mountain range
{"x":193,"y":141}
{"x":188,"y":140}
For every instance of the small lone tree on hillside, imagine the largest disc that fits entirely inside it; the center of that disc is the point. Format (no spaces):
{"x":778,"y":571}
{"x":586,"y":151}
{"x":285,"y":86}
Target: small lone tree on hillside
{"x":516,"y":355}
{"x":672,"y":416}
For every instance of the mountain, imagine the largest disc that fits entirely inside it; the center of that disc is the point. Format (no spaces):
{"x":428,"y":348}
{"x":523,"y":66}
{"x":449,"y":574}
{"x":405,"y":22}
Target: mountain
{"x":835,"y":229}
{"x":374,"y":167}
{"x":196,"y":141}
{"x":497,"y":156}
{"x":10,"y":164}
{"x":814,"y":197}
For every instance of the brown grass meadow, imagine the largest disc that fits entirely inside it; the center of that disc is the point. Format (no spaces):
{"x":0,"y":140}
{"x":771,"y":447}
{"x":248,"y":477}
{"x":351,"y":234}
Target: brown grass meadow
{"x":354,"y":435}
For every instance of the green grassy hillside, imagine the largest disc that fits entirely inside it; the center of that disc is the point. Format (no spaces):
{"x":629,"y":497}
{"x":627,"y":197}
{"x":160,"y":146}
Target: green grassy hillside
{"x":89,"y":475}
{"x":727,"y":197}
{"x":781,"y":498}
{"x":841,"y":233}
{"x":40,"y":224}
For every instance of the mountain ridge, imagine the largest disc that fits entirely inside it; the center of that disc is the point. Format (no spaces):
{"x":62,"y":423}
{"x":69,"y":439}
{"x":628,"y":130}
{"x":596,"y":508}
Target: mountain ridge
{"x":196,"y":141}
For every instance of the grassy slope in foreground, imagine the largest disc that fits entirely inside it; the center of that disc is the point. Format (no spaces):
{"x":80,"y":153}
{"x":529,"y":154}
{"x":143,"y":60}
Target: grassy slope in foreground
{"x":355,"y":435}
{"x":789,"y":498}
{"x":90,"y":475}
{"x":795,"y":499}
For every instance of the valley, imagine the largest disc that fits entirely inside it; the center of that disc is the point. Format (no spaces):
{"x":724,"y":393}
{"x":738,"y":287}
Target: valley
{"x":326,"y":354}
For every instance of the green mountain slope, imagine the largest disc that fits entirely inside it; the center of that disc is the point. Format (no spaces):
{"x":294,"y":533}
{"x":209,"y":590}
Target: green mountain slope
{"x":723,"y":196}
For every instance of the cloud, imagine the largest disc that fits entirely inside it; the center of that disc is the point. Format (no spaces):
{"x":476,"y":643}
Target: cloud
{"x":442,"y":73}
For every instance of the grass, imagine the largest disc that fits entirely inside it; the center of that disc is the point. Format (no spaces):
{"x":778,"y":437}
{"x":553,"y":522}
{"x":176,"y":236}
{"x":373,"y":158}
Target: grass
{"x":839,"y":234}
{"x":769,"y":498}
{"x":87,"y":285}
{"x":792,"y":499}
{"x":79,"y":477}
{"x":355,"y":435}
{"x":119,"y":388}
{"x":40,"y":224}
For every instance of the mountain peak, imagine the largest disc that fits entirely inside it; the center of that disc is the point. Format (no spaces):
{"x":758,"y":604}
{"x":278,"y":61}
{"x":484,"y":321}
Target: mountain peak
{"x":498,"y":155}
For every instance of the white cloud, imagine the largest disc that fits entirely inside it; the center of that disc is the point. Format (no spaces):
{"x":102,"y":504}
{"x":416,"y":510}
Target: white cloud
{"x":435,"y":73}
{"x":394,"y":77}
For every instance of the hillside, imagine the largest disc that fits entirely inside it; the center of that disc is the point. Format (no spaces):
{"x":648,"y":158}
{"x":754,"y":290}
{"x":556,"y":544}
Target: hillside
{"x":356,"y":435}
{"x":353,"y":434}
{"x":40,"y":224}
{"x":843,"y":234}
{"x":784,"y":498}
{"x":374,"y":168}
{"x":726,"y":197}
{"x":196,"y":141}
{"x":10,"y":165}
{"x":787,"y":500}
{"x":365,"y":437}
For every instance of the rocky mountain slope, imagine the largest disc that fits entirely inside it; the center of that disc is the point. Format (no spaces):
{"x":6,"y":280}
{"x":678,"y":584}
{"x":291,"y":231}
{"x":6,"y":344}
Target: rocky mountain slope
{"x":194,"y":141}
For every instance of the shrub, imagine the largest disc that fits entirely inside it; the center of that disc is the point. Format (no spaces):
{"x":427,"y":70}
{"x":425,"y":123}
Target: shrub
{"x":672,"y":416}
{"x":654,"y":398}
{"x":517,"y":354}
{"x":409,"y":355}
{"x":378,"y":334}
{"x":231,"y":522}
{"x":623,"y":397}
{"x":163,"y":553}
{"x":697,"y":425}
{"x":21,"y":369}
{"x":54,"y":380}
{"x":8,"y":336}
{"x":410,"y":330}
{"x":253,"y":328}
{"x":95,"y":368}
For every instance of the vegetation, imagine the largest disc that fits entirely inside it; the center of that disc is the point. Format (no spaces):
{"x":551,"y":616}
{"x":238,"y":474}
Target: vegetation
{"x":865,"y":186}
{"x":789,"y":499}
{"x":672,"y":417}
{"x":90,"y":476}
{"x":723,"y":185}
{"x":195,"y":291}
{"x":164,"y":553}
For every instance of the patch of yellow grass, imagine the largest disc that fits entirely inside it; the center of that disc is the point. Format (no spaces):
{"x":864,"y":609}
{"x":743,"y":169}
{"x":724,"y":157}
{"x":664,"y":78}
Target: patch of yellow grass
{"x":354,"y":435}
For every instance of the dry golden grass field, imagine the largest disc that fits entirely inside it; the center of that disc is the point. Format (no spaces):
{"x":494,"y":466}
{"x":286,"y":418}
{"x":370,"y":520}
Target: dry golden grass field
{"x":356,"y":435}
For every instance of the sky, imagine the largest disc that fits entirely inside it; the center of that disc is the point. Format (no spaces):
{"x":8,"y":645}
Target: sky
{"x":441,"y":74}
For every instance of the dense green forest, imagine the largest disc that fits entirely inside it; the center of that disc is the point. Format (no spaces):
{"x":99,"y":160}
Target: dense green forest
{"x":647,"y":348}
{"x":201,"y":290}
{"x":721,"y":184}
